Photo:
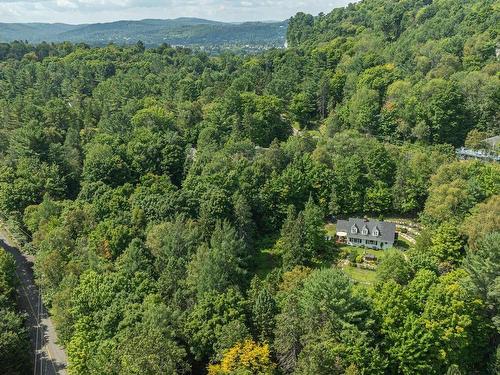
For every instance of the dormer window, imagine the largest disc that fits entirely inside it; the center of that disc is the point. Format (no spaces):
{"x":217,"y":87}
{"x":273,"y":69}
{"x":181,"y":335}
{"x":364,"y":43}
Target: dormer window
{"x":375,"y":232}
{"x":354,"y":229}
{"x":364,"y":231}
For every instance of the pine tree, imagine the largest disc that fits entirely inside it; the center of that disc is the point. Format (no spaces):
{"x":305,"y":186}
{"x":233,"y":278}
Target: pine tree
{"x":314,"y":229}
{"x":293,"y":240}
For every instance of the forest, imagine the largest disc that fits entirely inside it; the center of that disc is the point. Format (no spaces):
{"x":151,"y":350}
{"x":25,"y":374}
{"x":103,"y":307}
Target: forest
{"x":176,"y":202}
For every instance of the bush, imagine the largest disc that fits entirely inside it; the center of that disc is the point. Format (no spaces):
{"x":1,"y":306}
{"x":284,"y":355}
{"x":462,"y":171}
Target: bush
{"x":353,"y":254}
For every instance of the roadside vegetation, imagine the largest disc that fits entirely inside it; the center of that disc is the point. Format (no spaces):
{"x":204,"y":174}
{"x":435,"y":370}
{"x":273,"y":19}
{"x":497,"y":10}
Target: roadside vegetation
{"x":15,"y":350}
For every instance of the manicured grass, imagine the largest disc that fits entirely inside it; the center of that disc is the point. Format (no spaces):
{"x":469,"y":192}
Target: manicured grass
{"x":366,"y":277}
{"x":347,"y":247}
{"x":363,"y":251}
{"x":363,"y":276}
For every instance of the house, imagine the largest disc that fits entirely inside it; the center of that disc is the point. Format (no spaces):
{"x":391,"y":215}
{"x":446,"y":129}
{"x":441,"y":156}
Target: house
{"x":373,"y":234}
{"x":466,"y":154}
{"x":488,"y":153}
{"x":493,"y":142}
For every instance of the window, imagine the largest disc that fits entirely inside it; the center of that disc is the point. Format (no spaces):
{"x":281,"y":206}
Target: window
{"x":354,"y":229}
{"x":375,"y":232}
{"x":364,"y":231}
{"x":371,"y":242}
{"x":356,"y":240}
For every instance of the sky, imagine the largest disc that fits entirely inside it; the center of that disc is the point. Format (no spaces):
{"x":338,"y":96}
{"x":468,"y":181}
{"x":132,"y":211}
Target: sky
{"x":92,"y":11}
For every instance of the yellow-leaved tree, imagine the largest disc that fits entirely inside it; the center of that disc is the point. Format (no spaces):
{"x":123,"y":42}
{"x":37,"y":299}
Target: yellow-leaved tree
{"x":248,"y":357}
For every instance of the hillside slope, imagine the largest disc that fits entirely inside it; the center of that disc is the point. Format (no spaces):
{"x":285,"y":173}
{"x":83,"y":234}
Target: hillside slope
{"x":181,"y":31}
{"x":416,"y":70}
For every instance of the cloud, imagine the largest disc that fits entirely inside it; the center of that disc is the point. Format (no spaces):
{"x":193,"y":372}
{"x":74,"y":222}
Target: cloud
{"x":83,"y":11}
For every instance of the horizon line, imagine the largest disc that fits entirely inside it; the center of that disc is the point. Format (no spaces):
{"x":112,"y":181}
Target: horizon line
{"x":144,"y":19}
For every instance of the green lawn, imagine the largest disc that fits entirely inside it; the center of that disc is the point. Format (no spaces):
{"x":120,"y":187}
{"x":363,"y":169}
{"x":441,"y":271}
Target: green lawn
{"x":314,"y":133}
{"x":365,"y":277}
{"x":380,"y":254}
{"x":363,"y":251}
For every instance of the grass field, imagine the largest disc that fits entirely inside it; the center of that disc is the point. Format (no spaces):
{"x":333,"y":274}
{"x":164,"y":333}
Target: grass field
{"x":365,"y":277}
{"x":363,"y":251}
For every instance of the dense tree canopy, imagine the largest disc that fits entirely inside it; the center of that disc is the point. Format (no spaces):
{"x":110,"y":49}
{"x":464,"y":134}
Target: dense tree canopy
{"x":176,"y":201}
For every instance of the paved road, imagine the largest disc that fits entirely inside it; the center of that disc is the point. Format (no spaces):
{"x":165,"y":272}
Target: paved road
{"x":50,"y":358}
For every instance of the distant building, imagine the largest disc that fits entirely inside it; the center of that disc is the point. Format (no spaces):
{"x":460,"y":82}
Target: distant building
{"x":373,"y":234}
{"x":465,"y":154}
{"x":493,"y":141}
{"x":489,"y":153}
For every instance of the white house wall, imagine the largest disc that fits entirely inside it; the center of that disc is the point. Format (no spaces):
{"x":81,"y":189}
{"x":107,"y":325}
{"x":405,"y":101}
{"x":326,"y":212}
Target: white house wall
{"x":370,"y":246}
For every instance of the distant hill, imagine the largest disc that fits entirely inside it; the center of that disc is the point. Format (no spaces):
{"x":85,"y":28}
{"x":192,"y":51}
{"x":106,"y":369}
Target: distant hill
{"x":180,"y":31}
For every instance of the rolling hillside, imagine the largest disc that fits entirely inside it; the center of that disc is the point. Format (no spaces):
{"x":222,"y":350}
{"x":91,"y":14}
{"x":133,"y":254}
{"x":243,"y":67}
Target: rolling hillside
{"x":181,"y":31}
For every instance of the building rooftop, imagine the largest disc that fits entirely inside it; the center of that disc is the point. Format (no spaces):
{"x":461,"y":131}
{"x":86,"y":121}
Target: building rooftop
{"x":386,"y":230}
{"x":477,"y":154}
{"x":493,"y":140}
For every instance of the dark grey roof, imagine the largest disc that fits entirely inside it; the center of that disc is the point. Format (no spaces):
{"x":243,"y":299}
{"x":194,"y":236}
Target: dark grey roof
{"x":493,"y":140}
{"x":387,"y":231}
{"x":481,"y":154}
